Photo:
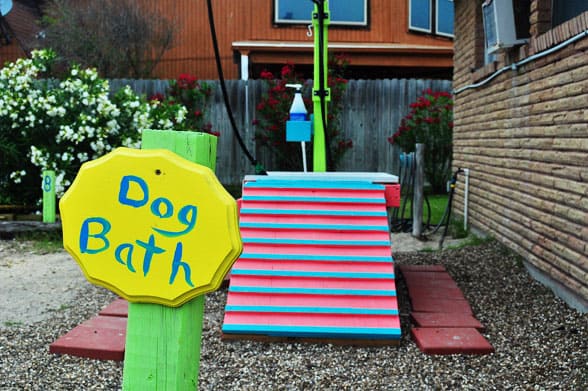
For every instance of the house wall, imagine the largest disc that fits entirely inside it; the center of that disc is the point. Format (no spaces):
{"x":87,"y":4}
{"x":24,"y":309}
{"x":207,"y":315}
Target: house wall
{"x":22,"y":30}
{"x":385,"y":44}
{"x":10,"y":53}
{"x":252,"y":20}
{"x":524,"y":138}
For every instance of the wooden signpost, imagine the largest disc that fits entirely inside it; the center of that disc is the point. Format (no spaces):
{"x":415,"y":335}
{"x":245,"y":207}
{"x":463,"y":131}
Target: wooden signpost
{"x":48,"y":186}
{"x":161,"y":232}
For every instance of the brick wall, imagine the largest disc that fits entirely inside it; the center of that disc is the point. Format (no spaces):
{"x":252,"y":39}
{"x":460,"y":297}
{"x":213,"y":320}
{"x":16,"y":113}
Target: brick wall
{"x":524,"y":137}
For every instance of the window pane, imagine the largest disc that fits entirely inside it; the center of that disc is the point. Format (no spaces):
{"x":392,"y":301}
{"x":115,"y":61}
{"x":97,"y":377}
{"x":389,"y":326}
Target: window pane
{"x":491,"y":39}
{"x":420,"y":15}
{"x":564,"y":10}
{"x":291,"y":10}
{"x":445,"y":17}
{"x":352,"y":12}
{"x":348,"y":11}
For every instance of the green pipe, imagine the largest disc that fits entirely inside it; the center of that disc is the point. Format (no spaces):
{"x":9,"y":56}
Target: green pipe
{"x":320,"y":50}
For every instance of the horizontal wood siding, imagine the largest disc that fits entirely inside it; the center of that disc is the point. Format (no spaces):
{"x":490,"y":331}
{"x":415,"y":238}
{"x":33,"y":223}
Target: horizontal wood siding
{"x":387,"y":23}
{"x":372,"y":112}
{"x":253,"y":21}
{"x":524,"y":137}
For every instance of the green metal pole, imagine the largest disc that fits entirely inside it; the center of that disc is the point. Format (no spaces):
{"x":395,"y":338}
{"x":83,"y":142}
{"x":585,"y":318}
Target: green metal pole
{"x":321,"y":39}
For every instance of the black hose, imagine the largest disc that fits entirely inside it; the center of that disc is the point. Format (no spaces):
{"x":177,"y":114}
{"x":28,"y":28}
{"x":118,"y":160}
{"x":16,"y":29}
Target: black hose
{"x":428,"y":223}
{"x":441,"y":222}
{"x":258,"y":167}
{"x":401,"y":223}
{"x":406,"y":185}
{"x":406,"y":174}
{"x":449,"y":201}
{"x":407,"y":222}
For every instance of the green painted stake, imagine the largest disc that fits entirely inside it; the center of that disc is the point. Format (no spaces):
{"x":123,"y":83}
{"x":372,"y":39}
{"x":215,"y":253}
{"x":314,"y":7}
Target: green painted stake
{"x":163,"y":346}
{"x":194,"y":146}
{"x":48,"y":186}
{"x":319,"y":161}
{"x":163,"y":343}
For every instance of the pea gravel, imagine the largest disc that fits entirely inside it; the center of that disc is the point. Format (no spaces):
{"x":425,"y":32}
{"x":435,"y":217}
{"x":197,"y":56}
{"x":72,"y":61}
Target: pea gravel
{"x":541,"y":344}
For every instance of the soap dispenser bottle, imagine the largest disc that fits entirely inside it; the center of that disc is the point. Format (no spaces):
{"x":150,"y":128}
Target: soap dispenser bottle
{"x":297,"y":110}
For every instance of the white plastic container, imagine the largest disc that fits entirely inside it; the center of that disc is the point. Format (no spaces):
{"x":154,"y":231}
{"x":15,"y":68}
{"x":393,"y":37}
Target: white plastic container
{"x":297,"y":110}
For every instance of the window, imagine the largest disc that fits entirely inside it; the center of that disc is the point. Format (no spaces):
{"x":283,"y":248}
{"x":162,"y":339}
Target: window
{"x":444,"y":22}
{"x":491,"y":39}
{"x":564,"y":10}
{"x":431,"y":16}
{"x":419,"y":15}
{"x":343,"y":12}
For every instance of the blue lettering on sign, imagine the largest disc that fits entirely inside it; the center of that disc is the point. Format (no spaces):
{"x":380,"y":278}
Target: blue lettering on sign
{"x":168,"y":208}
{"x":123,"y":194}
{"x":160,"y":207}
{"x":186,"y":216}
{"x":86,"y":232}
{"x":177,"y":263}
{"x":97,"y":229}
{"x":150,"y":249}
{"x":47,"y":183}
{"x":128,"y":261}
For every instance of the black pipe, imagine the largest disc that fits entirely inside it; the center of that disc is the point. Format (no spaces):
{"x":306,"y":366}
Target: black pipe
{"x":258,"y":167}
{"x":449,"y":201}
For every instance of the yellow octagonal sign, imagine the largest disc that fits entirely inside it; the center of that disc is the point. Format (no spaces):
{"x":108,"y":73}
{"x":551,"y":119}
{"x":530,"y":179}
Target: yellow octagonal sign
{"x":150,"y":226}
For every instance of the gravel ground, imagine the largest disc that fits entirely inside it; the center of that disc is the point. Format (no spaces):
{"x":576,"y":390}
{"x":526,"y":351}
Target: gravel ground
{"x":540,"y":343}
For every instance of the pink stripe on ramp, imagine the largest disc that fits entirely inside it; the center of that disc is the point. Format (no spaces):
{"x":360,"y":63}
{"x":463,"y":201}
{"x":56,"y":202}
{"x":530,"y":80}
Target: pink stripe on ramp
{"x":309,"y":192}
{"x":309,"y":234}
{"x":305,"y":206}
{"x":317,"y":249}
{"x":305,"y":219}
{"x":359,"y":267}
{"x":316,"y":283}
{"x":298,"y":300}
{"x":314,"y":320}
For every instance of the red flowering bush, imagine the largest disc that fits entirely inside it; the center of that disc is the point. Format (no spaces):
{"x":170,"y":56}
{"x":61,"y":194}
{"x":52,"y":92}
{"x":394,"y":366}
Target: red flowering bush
{"x":429,"y":122}
{"x":193,"y":94}
{"x":273,"y":111}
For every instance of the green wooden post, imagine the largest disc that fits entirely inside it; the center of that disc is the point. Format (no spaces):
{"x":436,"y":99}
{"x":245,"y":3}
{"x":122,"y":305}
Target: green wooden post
{"x":48,"y":186}
{"x":194,"y":146}
{"x":163,"y":343}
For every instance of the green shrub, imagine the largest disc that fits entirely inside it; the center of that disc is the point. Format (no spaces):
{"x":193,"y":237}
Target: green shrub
{"x":429,"y":122}
{"x":193,"y":94}
{"x":273,"y":111}
{"x":59,"y":124}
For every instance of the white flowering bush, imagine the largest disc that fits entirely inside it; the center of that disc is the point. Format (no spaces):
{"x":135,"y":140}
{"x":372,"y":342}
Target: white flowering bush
{"x":59,"y":124}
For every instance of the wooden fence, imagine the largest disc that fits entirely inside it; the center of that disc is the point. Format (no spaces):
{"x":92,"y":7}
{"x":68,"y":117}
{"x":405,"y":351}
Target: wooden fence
{"x":372,"y":112}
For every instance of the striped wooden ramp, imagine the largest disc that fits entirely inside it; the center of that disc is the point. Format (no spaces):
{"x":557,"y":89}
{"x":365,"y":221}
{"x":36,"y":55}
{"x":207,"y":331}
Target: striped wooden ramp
{"x":316,"y":262}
